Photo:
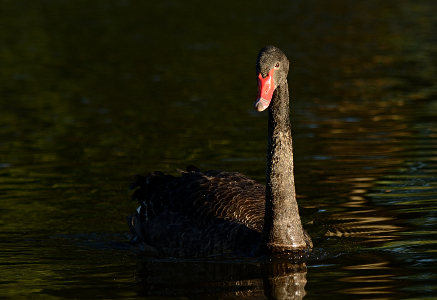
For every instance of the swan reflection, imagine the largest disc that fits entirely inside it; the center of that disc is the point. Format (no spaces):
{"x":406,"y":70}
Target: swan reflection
{"x":221,"y":280}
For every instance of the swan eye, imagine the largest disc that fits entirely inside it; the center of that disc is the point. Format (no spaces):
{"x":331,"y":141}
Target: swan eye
{"x":277,"y":65}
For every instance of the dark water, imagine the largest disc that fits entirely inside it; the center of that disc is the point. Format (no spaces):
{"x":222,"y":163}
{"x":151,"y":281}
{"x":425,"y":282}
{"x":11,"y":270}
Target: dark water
{"x":92,"y":92}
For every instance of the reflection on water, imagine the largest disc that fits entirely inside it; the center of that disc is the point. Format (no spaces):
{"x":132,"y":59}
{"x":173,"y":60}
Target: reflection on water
{"x":94,"y":92}
{"x":222,"y":280}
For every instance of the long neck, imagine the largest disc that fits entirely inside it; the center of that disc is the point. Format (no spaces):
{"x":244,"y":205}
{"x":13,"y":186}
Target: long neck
{"x":282,"y":226}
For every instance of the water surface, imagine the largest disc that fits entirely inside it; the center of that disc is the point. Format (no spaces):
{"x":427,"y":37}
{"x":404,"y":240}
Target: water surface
{"x":92,"y":93}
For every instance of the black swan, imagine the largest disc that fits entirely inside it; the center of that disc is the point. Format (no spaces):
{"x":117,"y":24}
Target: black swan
{"x":217,"y":213}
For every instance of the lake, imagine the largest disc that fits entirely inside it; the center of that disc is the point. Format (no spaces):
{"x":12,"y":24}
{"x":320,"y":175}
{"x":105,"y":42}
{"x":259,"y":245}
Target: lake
{"x":94,"y":92}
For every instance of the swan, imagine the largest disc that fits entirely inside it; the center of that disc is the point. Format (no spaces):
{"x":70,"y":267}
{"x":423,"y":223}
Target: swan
{"x":218,"y":213}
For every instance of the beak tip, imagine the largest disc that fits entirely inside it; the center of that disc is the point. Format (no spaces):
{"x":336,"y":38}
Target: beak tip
{"x":260,"y":108}
{"x":261,"y":104}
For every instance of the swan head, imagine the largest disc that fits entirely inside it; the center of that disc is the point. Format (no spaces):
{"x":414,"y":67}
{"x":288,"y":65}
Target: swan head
{"x":271,"y":69}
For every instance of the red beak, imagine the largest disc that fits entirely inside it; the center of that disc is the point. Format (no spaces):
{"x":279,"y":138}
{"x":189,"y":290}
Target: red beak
{"x":266,"y":86}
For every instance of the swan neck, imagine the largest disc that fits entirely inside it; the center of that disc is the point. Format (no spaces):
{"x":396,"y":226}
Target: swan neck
{"x":282,"y":225}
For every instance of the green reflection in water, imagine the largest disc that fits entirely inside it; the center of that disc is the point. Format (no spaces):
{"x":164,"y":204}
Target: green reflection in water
{"x":94,"y":92}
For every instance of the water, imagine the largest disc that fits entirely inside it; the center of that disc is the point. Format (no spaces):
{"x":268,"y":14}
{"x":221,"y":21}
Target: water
{"x":92,"y":93}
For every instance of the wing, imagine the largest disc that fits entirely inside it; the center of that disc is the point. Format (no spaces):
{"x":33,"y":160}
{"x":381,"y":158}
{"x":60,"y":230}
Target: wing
{"x":204,"y":197}
{"x":199,"y":213}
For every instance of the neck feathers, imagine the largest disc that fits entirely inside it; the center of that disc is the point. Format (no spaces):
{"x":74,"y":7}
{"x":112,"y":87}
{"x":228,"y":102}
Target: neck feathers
{"x":282,"y":225}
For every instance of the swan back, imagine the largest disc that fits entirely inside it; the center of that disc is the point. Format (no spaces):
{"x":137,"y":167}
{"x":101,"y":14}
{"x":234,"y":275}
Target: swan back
{"x":198,"y":213}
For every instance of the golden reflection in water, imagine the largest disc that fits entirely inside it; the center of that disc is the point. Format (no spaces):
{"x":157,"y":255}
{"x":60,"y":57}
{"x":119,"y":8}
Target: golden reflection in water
{"x":369,"y":291}
{"x":360,"y":219}
{"x":370,"y":266}
{"x":372,"y":284}
{"x":366,"y":141}
{"x":371,"y":278}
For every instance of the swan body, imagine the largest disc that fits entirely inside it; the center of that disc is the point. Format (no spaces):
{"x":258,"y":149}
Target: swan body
{"x":199,"y":214}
